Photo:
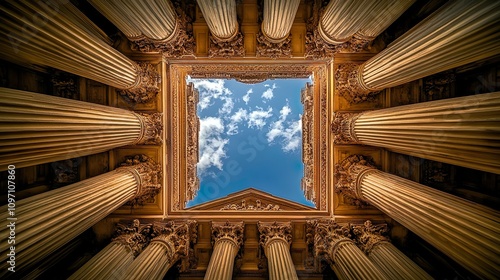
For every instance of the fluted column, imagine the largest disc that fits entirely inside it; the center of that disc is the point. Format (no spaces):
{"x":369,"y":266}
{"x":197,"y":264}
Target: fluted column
{"x":172,"y":242}
{"x":392,"y":262}
{"x":47,"y":221}
{"x":112,"y":261}
{"x":467,"y":232}
{"x":460,"y":32}
{"x":463,"y":131}
{"x":278,"y":17}
{"x":275,"y":239}
{"x":37,"y":128}
{"x":332,"y":241}
{"x":228,"y":238}
{"x":49,"y":33}
{"x":221,"y":18}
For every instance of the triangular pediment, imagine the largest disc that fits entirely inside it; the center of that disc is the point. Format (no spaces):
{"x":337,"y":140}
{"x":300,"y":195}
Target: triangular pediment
{"x":251,"y":200}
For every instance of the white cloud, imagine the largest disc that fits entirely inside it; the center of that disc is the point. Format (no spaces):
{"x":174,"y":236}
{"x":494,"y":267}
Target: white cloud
{"x":240,"y":115}
{"x":228,"y":105}
{"x":268,"y":94}
{"x":210,"y":90}
{"x":211,"y":144}
{"x":289,"y":134}
{"x":246,"y":97}
{"x":258,"y":117}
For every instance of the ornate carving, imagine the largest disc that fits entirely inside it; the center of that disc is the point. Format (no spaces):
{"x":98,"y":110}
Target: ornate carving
{"x":251,"y":71}
{"x":151,"y":129}
{"x":272,"y":231}
{"x":368,"y":235}
{"x":231,"y":48}
{"x":65,"y":171}
{"x":343,"y":128}
{"x":148,"y":175}
{"x":307,"y":99}
{"x":350,"y":85}
{"x":324,"y":140}
{"x":65,"y":85}
{"x":257,"y":206}
{"x":227,"y":230}
{"x":310,"y":232}
{"x":266,"y":48}
{"x":438,"y":86}
{"x":146,"y":86}
{"x":348,"y":174}
{"x":135,"y":236}
{"x":328,"y":236}
{"x":193,"y":127}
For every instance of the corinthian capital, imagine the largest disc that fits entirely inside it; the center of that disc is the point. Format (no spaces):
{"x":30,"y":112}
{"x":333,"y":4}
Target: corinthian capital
{"x":151,"y":129}
{"x":328,"y":236}
{"x":348,"y":173}
{"x":146,"y":86}
{"x":135,"y":236}
{"x":274,"y":231}
{"x":368,"y":235}
{"x":343,"y":128}
{"x":148,"y":175}
{"x":350,"y":85}
{"x":227,"y":230}
{"x":177,"y":236}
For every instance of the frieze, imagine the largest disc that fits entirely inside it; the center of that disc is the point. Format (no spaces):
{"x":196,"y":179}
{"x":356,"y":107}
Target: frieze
{"x":257,"y":206}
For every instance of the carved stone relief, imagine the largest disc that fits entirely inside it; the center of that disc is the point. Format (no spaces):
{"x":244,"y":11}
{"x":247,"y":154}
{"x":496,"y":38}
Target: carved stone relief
{"x":226,"y":49}
{"x":193,"y":126}
{"x":266,"y":48}
{"x":146,"y":87}
{"x":256,"y":206}
{"x":307,"y":97}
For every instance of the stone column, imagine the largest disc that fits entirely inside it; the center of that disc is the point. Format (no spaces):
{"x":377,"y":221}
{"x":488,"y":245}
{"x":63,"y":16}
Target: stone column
{"x":332,"y":241}
{"x":221,"y":18}
{"x":462,"y":131}
{"x":278,"y":17}
{"x":172,"y":242}
{"x":47,"y":221}
{"x":112,"y":261}
{"x":37,"y":128}
{"x":467,"y":232}
{"x":460,"y":32}
{"x":49,"y":33}
{"x":275,"y":239}
{"x":387,"y":258}
{"x":228,"y":238}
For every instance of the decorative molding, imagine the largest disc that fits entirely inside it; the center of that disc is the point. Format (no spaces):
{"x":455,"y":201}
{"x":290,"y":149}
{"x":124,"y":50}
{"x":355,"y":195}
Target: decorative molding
{"x":192,"y":156}
{"x":65,"y":85}
{"x":369,"y":235}
{"x":148,"y":175}
{"x":227,"y":230}
{"x":227,"y":49}
{"x":349,"y":84}
{"x":257,"y":206}
{"x":307,"y":185}
{"x":272,"y":231}
{"x":146,"y":87}
{"x":328,"y":236}
{"x":310,"y":233}
{"x":323,"y":141}
{"x":151,"y":129}
{"x":135,"y":236}
{"x":266,"y":48}
{"x":343,"y":128}
{"x":349,"y":173}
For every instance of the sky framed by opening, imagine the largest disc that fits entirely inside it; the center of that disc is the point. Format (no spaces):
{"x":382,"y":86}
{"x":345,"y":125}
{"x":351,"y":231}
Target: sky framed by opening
{"x":250,"y":136}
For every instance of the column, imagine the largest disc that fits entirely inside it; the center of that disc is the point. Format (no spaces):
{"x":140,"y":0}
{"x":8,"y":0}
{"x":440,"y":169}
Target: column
{"x":221,"y":18}
{"x":275,"y":239}
{"x":278,"y":17}
{"x":172,"y":242}
{"x":112,"y":261}
{"x":48,"y":33}
{"x":37,"y":128}
{"x":44,"y":222}
{"x":460,"y":32}
{"x":463,"y":131}
{"x":387,"y":258}
{"x":228,"y":238}
{"x":467,"y":232}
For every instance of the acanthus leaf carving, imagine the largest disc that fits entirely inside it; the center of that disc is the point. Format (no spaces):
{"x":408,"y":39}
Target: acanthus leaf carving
{"x":270,"y":231}
{"x":328,"y":236}
{"x":151,"y":129}
{"x":369,"y":235}
{"x":227,"y":230}
{"x":347,"y":173}
{"x":343,"y":128}
{"x":266,"y":48}
{"x":257,"y":206}
{"x":135,"y":236}
{"x":349,"y":85}
{"x":146,"y":87}
{"x":227,"y":49}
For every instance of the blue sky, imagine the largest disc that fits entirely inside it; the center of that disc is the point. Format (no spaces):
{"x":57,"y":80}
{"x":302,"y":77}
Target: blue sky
{"x":250,"y":136}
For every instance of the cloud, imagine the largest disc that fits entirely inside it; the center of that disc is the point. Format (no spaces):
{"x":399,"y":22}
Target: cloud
{"x":288,"y":133}
{"x":211,"y":89}
{"x":240,"y":115}
{"x":211,"y":144}
{"x":268,"y":94}
{"x":258,"y":117}
{"x":246,"y":97}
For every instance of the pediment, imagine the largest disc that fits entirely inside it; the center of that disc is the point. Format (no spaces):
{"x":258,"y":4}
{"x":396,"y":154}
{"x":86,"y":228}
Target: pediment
{"x":251,"y":200}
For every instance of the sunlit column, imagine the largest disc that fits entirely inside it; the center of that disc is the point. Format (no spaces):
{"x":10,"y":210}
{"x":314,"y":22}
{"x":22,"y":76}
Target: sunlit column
{"x":467,"y":232}
{"x":278,"y":17}
{"x":387,"y":258}
{"x":460,"y":32}
{"x":221,"y":18}
{"x":37,"y":128}
{"x":47,"y":221}
{"x":228,"y":238}
{"x":463,"y":131}
{"x":172,"y":242}
{"x":275,"y":239}
{"x":112,"y":261}
{"x":52,"y":33}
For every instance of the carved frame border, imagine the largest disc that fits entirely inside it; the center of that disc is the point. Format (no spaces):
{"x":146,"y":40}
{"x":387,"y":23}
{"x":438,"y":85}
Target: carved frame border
{"x":177,"y":137}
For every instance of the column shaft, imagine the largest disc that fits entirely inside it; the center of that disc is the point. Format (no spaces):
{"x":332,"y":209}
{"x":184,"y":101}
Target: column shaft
{"x":278,"y":17}
{"x":352,"y":263}
{"x":138,"y":19}
{"x":222,"y":260}
{"x":221,"y":18}
{"x":463,"y":131}
{"x":153,"y":263}
{"x":280,"y":261}
{"x":37,"y":128}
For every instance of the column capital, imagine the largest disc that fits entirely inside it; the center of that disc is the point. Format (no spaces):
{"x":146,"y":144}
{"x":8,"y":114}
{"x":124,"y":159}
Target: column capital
{"x":226,"y":48}
{"x":343,"y":128}
{"x":176,"y":236}
{"x":228,"y":231}
{"x":267,"y":48}
{"x":148,"y":175}
{"x":350,"y":85}
{"x":369,"y":235}
{"x":328,"y":236}
{"x":146,"y":85}
{"x":349,"y":173}
{"x":135,"y":236}
{"x":272,"y":231}
{"x":151,"y":129}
